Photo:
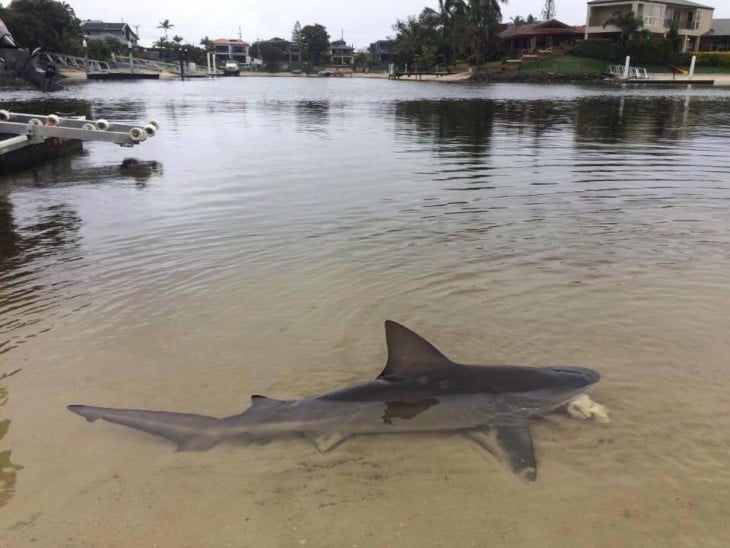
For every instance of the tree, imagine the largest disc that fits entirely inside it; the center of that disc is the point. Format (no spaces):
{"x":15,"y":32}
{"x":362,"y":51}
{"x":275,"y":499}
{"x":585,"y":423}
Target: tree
{"x":165,"y":25}
{"x":296,"y":35}
{"x":627,"y":23}
{"x":206,"y":43}
{"x":548,"y":11}
{"x":453,"y":23}
{"x":362,"y":59}
{"x":483,"y":18}
{"x":315,"y":43}
{"x":271,"y":52}
{"x":47,"y":23}
{"x":673,"y":39}
{"x":418,"y":38}
{"x":518,"y":20}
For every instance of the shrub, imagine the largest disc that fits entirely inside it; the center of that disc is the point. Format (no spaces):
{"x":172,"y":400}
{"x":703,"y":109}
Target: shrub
{"x":598,"y":49}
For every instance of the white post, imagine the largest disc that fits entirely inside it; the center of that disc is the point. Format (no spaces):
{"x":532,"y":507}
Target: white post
{"x":692,"y":66}
{"x":131,"y":60}
{"x":626,"y":67}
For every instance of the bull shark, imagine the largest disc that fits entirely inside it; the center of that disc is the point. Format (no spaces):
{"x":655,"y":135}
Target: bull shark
{"x":419,"y":390}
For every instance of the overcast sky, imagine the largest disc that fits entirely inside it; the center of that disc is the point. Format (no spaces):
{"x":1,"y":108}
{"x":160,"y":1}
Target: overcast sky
{"x":260,"y":19}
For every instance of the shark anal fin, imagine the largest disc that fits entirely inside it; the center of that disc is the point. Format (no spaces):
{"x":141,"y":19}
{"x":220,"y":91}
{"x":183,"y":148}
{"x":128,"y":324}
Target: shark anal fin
{"x":511,"y":444}
{"x":197,"y":443}
{"x":325,"y":442}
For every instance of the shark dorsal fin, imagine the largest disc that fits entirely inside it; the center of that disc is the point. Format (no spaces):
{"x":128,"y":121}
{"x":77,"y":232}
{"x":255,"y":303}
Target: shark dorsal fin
{"x":410,"y":355}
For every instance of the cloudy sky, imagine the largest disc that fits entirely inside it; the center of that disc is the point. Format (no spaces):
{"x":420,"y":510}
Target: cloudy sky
{"x":360,"y":24}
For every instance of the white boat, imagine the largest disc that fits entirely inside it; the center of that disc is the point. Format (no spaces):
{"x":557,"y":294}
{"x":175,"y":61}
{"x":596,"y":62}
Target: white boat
{"x":231,"y":68}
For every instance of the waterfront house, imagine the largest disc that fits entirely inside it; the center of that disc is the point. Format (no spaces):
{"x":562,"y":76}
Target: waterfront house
{"x":692,"y":19}
{"x":718,"y":37}
{"x":231,"y":49}
{"x":98,"y":30}
{"x":382,"y":52}
{"x":342,"y":54}
{"x":542,"y":35}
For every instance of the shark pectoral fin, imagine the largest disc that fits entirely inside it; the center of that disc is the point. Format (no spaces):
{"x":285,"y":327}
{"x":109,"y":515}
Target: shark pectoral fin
{"x":325,"y":442}
{"x":511,"y":444}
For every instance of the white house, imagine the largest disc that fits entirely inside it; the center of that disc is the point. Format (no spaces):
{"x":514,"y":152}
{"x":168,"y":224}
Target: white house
{"x":692,"y":19}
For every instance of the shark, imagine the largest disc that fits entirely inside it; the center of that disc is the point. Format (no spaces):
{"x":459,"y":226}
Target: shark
{"x":419,"y":390}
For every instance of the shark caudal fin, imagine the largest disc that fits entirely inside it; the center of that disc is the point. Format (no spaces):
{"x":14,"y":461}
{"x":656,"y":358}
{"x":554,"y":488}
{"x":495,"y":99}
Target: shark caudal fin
{"x":409,"y":354}
{"x":188,"y":432}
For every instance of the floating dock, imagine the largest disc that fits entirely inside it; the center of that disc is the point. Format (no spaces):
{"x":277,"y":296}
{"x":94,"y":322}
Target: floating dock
{"x":29,"y":139}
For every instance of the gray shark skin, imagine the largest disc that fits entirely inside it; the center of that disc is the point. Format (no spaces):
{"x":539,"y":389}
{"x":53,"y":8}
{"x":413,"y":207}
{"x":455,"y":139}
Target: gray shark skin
{"x":420,"y":390}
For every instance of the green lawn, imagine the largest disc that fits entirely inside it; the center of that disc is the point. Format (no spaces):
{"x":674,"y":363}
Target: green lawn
{"x":710,"y":70}
{"x":566,"y":64}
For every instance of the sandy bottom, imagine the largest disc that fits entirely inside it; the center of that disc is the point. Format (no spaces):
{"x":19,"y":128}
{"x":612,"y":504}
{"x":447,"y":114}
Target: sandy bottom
{"x":655,"y":476}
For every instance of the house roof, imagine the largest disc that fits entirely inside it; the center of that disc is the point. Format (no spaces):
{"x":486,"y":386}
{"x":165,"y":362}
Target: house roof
{"x":720,"y":27}
{"x":91,"y":25}
{"x":684,"y":3}
{"x":553,"y":26}
{"x":229,"y":42}
{"x":341,"y":45}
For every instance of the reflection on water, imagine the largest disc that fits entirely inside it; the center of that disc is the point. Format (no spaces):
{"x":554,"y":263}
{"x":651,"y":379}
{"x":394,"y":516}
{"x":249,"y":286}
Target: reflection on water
{"x":48,"y":237}
{"x":518,"y":224}
{"x":49,"y":105}
{"x":466,"y":123}
{"x":8,"y":470}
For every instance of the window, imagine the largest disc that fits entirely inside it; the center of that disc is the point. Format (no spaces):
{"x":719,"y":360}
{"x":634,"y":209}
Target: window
{"x":652,"y":16}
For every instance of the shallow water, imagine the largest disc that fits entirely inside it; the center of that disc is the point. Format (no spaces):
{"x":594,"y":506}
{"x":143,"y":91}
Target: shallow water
{"x":271,"y":228}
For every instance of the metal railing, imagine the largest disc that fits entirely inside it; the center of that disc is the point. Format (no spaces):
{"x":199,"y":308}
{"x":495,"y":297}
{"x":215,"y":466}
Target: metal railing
{"x":619,"y":71}
{"x":95,"y":65}
{"x":72,"y":62}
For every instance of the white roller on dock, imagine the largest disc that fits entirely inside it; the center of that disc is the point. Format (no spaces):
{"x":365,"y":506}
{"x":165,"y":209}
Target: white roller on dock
{"x":37,"y":128}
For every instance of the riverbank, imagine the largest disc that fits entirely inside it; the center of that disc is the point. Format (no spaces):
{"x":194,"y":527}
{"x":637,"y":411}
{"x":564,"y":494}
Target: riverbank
{"x":526,"y":76}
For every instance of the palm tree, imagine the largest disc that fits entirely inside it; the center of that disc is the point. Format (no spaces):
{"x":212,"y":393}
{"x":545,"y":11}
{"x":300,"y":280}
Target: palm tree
{"x":166,"y":25}
{"x":627,"y":23}
{"x":483,"y":16}
{"x":451,"y":14}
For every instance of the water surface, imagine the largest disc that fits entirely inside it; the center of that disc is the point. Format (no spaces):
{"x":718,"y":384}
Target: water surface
{"x":274,"y":224}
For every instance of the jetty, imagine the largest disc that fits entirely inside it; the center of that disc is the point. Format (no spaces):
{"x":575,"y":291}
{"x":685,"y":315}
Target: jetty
{"x":29,"y":139}
{"x":628,"y":74}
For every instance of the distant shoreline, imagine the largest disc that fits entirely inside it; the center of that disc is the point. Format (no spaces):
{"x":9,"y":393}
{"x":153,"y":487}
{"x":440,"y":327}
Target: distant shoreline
{"x":721,"y":80}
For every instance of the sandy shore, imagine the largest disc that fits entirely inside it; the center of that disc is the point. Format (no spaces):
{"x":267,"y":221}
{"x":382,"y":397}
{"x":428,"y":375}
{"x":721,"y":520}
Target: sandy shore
{"x":721,"y":80}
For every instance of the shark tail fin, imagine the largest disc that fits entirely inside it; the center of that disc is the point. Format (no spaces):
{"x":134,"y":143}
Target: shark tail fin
{"x":189,"y":432}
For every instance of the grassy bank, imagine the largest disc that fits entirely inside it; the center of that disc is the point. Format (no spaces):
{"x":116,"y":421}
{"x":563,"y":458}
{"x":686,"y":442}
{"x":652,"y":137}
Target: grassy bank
{"x":566,"y":64}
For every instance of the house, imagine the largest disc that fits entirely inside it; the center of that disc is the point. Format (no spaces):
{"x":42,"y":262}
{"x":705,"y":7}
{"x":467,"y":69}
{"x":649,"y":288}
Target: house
{"x":342,"y":54}
{"x":231,"y":49}
{"x":531,"y":37}
{"x":382,"y":52}
{"x":691,"y":19}
{"x":718,"y":37}
{"x":99,"y":30}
